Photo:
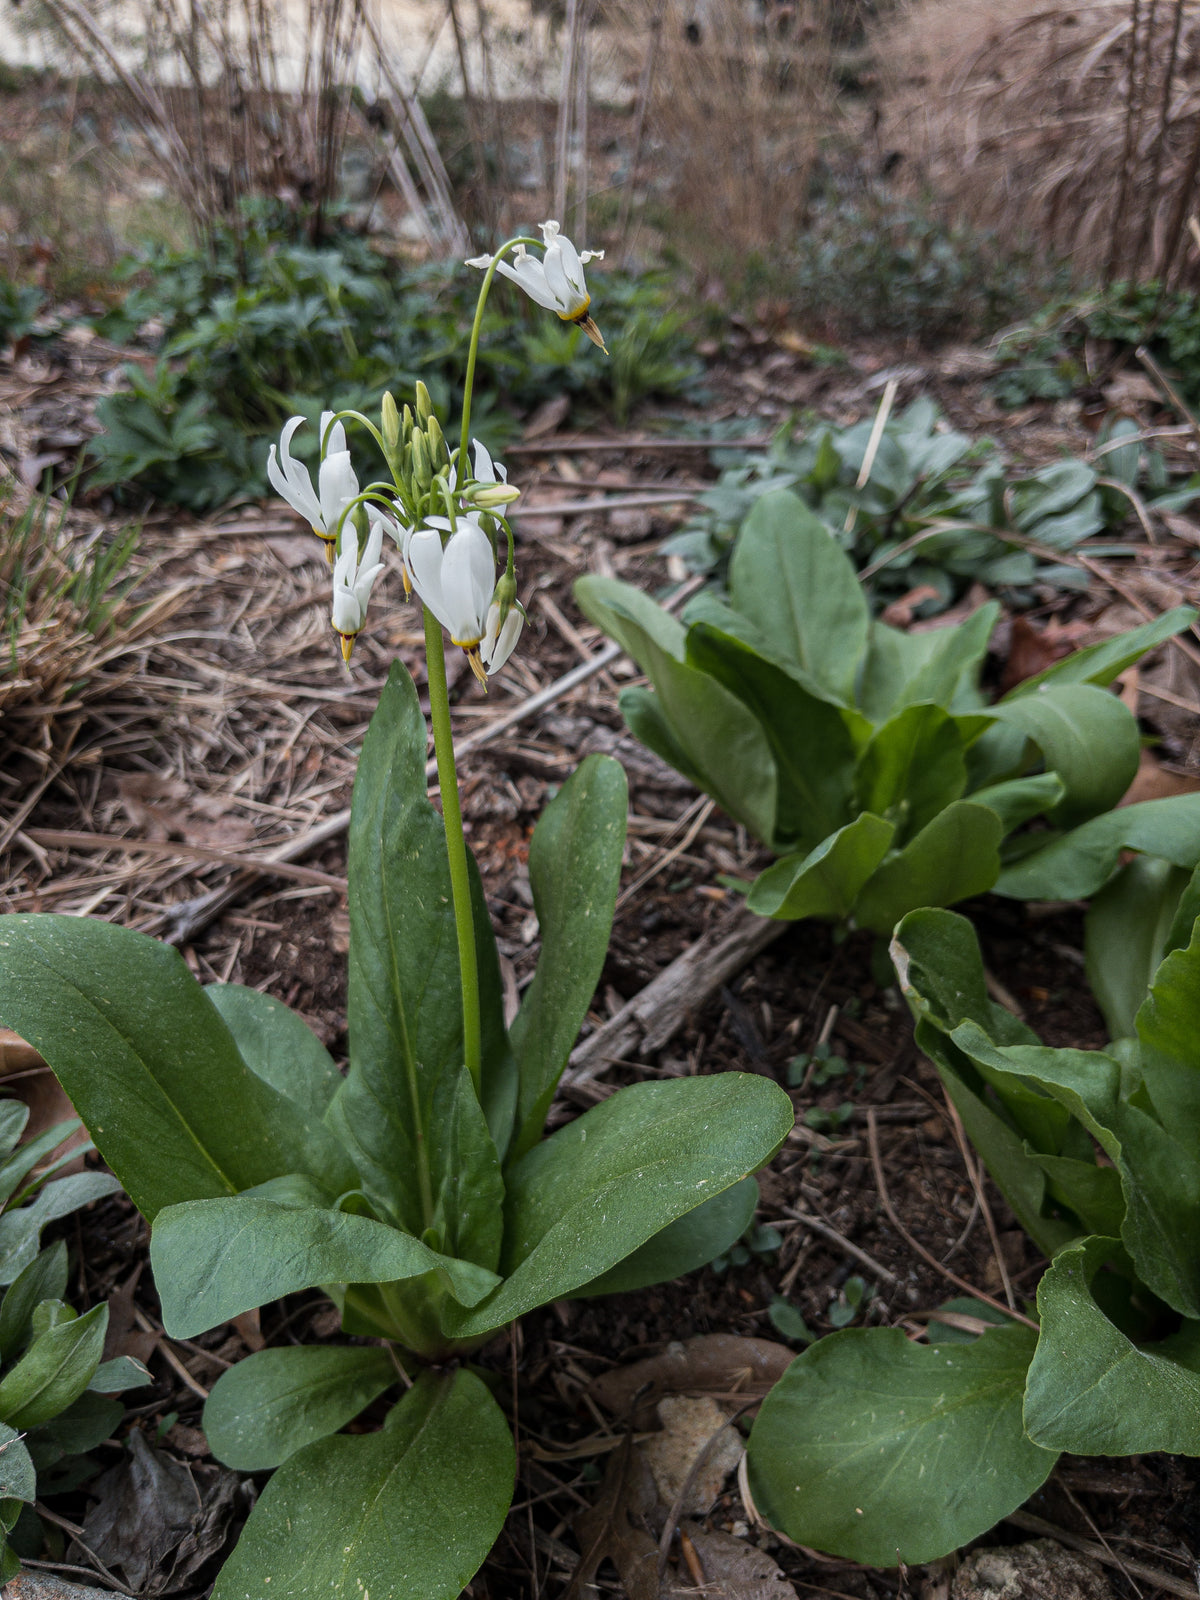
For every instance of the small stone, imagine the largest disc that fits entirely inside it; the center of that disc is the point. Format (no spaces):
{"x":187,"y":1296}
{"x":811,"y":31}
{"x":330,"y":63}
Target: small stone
{"x":1039,"y":1570}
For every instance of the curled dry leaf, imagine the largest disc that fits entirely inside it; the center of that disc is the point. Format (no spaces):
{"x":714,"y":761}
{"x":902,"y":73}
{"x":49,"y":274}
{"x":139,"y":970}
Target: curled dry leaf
{"x":719,"y":1363}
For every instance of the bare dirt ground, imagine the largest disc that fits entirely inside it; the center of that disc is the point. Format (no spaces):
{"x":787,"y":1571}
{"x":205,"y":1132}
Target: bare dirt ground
{"x":199,"y":793}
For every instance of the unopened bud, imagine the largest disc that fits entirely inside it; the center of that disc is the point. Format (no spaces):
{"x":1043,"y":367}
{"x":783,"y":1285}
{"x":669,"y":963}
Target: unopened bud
{"x":422,"y":469}
{"x":406,"y":427}
{"x":424,"y":403}
{"x":488,"y":496}
{"x":389,"y":422}
{"x":439,"y":456}
{"x":504,"y":597}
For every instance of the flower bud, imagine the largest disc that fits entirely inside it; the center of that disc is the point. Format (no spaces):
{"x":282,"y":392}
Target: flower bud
{"x":389,"y":422}
{"x":488,"y":496}
{"x":422,"y":469}
{"x":424,"y":403}
{"x":439,"y":455}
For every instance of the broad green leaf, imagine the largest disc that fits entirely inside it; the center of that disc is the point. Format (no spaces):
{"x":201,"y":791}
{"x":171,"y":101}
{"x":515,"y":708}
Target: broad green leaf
{"x":45,"y":1278}
{"x":408,"y":1513}
{"x":54,"y":1371}
{"x":1102,"y":663}
{"x":724,"y":750}
{"x":275,"y":1402}
{"x":880,"y":1450}
{"x":85,"y":1423}
{"x":405,"y":999}
{"x":14,"y":1114}
{"x":1168,"y":1025}
{"x":1125,"y":932}
{"x":796,"y":584}
{"x":214,"y":1259}
{"x":937,"y":960}
{"x":574,"y":872}
{"x":1161,"y":1176}
{"x":21,"y":1230}
{"x":1087,"y":736}
{"x":599,"y":1188}
{"x":278,"y":1046}
{"x":691,"y":1242}
{"x":810,"y":738}
{"x":1183,"y":925}
{"x":119,"y":1374}
{"x":826,"y":881}
{"x":150,"y":1066}
{"x":953,"y":857}
{"x":707,"y":609}
{"x":1091,"y":1389}
{"x":18,"y":1477}
{"x":23,"y":1160}
{"x":941,"y":664}
{"x":1018,"y":799}
{"x":1074,"y":866}
{"x":913,"y":766}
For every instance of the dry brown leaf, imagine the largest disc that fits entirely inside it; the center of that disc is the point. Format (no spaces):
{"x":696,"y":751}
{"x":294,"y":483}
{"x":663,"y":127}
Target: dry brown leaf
{"x":1154,"y":782}
{"x":901,"y":611}
{"x":548,"y":416}
{"x":734,"y":1569}
{"x":720,"y":1362}
{"x":616,"y":1528}
{"x":691,"y":1428}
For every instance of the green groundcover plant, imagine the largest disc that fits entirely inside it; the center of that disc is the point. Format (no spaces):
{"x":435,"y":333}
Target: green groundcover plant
{"x":417,"y":1190}
{"x":868,"y":758}
{"x":936,"y":509}
{"x":54,"y":1384}
{"x":883,"y":1450}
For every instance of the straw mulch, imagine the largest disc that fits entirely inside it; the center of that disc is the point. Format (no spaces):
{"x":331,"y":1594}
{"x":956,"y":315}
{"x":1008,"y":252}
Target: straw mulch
{"x":1078,"y":125}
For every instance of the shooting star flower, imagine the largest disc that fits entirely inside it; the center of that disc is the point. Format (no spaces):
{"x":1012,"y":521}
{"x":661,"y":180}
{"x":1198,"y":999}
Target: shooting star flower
{"x":556,"y":281}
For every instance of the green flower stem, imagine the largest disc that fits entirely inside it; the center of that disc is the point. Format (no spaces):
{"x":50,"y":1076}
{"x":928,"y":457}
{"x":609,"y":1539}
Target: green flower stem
{"x":456,"y":848}
{"x":473,"y":349}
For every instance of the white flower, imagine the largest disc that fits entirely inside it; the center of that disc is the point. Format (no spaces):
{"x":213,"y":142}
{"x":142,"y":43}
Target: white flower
{"x":337,"y":484}
{"x":455,"y":580}
{"x":498,"y":642}
{"x":353,"y":578}
{"x":556,"y":281}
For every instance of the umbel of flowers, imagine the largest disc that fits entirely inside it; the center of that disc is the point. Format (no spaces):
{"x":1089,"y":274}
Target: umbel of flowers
{"x":443,"y":509}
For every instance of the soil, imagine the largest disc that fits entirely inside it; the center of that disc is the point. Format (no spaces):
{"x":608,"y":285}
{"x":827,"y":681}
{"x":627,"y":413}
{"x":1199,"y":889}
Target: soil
{"x":214,"y":725}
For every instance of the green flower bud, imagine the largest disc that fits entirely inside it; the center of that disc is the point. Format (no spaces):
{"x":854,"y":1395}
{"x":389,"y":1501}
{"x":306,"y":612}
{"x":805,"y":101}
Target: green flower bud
{"x":421,"y":466}
{"x":489,"y":495}
{"x":439,"y":455}
{"x":424,"y":404}
{"x":389,"y":423}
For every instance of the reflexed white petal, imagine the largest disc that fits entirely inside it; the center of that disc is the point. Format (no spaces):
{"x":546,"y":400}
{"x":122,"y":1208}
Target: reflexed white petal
{"x":569,"y":298}
{"x":423,"y":556}
{"x":483,"y":262}
{"x":590,"y":255}
{"x":289,"y":478}
{"x":337,"y":434}
{"x":572,"y":265}
{"x":531,"y":276}
{"x":498,"y":642}
{"x":337,"y":486}
{"x":468,"y":579}
{"x":485,"y":470}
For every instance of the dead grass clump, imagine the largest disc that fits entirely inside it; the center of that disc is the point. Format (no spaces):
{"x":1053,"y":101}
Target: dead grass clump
{"x":736,"y":99}
{"x":1079,"y":124}
{"x":65,"y":612}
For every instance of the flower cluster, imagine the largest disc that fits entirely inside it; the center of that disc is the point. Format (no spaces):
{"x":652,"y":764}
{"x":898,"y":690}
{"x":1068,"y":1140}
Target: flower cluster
{"x":444,"y":509}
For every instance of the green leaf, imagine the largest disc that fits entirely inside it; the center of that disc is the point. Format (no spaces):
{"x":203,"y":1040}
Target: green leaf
{"x":26,"y":1157}
{"x":275,"y":1402}
{"x":724,"y":750}
{"x":1091,"y":1389}
{"x":405,"y":1514}
{"x":20,"y":1230}
{"x":796,"y":584}
{"x":1168,"y":1025}
{"x":54,"y":1371}
{"x":14,"y":1114}
{"x":879,"y":1450}
{"x":18,"y":1478}
{"x":955,"y":856}
{"x":45,"y":1278}
{"x":828,"y":880}
{"x":1074,"y":866}
{"x":913,"y":766}
{"x":150,"y":1066}
{"x":119,"y":1374}
{"x":1086,"y":736}
{"x":1102,"y":663}
{"x":278,"y":1046}
{"x":1125,"y":932}
{"x":599,"y":1188}
{"x":574,"y":871}
{"x":1018,"y":799}
{"x":81,"y":1427}
{"x":941,"y":665}
{"x":405,"y":1001}
{"x":691,"y":1242}
{"x":214,"y":1259}
{"x":810,"y":738}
